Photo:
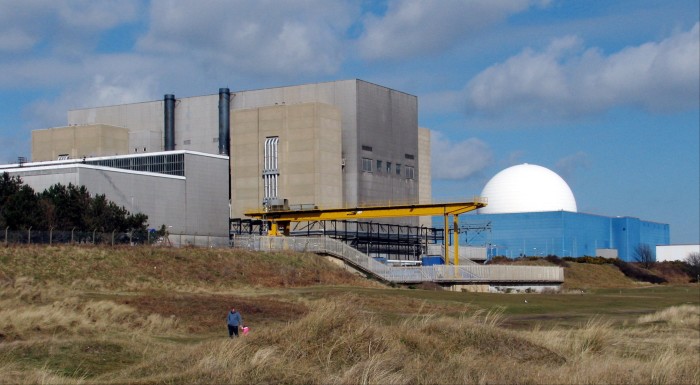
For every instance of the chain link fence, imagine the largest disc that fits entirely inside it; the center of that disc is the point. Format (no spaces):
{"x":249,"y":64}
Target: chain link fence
{"x":58,"y":237}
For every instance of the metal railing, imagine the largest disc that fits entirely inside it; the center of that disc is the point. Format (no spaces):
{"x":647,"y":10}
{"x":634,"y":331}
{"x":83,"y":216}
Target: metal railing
{"x":437,"y":273}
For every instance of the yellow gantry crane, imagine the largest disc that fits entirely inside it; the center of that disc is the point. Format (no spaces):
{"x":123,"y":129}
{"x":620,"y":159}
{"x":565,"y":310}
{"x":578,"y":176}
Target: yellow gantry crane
{"x":282,"y":218}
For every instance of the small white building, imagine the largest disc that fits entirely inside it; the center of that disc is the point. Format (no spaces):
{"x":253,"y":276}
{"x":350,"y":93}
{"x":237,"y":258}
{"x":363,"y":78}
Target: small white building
{"x":675,"y":252}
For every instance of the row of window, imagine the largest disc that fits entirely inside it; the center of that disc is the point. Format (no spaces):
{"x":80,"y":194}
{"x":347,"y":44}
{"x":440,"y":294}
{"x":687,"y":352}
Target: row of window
{"x":387,"y":167}
{"x":170,"y":164}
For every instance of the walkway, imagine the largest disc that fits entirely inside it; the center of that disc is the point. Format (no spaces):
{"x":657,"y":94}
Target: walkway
{"x":472,"y":273}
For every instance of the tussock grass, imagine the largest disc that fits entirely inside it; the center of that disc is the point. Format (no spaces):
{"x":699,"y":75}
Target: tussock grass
{"x":36,"y":311}
{"x":89,"y":325}
{"x":687,"y":316}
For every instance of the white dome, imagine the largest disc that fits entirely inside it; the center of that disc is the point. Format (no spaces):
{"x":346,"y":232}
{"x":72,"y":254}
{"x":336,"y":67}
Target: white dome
{"x":527,"y":188}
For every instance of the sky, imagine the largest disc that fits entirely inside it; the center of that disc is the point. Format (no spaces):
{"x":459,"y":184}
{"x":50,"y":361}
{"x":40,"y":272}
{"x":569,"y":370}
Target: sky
{"x":605,"y":93}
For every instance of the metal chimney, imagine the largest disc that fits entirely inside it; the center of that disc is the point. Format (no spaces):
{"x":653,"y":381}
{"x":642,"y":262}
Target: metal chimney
{"x":169,"y":122}
{"x":224,"y":120}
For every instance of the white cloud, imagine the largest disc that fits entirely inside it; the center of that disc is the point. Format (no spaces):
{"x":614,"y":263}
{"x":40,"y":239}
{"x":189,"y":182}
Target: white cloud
{"x":458,"y":160}
{"x":14,"y":39}
{"x":100,"y":90}
{"x":420,"y":27}
{"x":253,"y":36}
{"x":568,"y":166}
{"x":565,"y":80}
{"x":68,"y":24}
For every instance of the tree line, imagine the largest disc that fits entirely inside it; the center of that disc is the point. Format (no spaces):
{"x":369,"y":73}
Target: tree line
{"x":62,"y":207}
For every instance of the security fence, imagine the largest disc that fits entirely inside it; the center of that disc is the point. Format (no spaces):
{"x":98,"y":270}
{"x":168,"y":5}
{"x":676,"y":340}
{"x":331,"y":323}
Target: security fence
{"x":56,"y":237}
{"x":472,"y":273}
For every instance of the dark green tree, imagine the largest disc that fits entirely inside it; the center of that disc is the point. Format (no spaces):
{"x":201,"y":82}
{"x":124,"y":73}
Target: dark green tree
{"x":62,"y":207}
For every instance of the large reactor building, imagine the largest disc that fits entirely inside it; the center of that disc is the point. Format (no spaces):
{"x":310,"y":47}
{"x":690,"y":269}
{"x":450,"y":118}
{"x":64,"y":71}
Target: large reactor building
{"x":532,"y":212}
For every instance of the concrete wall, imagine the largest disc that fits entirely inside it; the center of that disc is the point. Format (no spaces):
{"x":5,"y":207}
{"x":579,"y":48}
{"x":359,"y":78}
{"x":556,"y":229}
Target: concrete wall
{"x":79,"y":141}
{"x":309,"y":155}
{"x":144,"y":121}
{"x":161,"y":197}
{"x":388,"y":124}
{"x":194,"y":204}
{"x":207,"y":195}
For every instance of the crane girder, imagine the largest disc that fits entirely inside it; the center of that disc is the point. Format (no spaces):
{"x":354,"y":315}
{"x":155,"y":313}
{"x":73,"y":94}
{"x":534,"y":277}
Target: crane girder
{"x":367,"y":212}
{"x":283,"y":218}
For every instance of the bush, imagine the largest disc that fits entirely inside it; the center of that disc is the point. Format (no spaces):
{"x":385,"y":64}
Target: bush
{"x":589,"y":259}
{"x":636,"y":273}
{"x":556,"y":260}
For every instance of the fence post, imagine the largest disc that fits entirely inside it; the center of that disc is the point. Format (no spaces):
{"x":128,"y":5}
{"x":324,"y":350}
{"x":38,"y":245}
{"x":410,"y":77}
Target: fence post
{"x":113,"y":237}
{"x":93,"y":235}
{"x":7,"y":229}
{"x":50,"y":236}
{"x":29,"y":237}
{"x":71,"y":235}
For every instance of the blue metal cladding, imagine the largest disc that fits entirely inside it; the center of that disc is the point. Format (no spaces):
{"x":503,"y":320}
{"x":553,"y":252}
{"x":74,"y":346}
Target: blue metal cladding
{"x":561,"y":233}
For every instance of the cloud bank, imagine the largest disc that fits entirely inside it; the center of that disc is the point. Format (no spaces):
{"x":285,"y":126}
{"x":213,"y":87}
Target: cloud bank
{"x":421,"y":27}
{"x":566,"y":80}
{"x":458,"y":160}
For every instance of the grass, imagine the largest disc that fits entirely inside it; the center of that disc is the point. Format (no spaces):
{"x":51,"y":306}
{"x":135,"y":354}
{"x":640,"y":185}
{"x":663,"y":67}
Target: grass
{"x":103,"y":316}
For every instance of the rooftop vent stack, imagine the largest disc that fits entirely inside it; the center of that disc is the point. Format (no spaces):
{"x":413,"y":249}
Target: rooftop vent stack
{"x":224,"y":120}
{"x":169,"y":123}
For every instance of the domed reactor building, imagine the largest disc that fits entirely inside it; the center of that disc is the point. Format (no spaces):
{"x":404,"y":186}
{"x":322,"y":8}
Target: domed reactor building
{"x":532,"y":211}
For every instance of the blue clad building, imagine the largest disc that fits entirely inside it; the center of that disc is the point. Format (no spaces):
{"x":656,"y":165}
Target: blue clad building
{"x":564,"y":234}
{"x":532,"y":212}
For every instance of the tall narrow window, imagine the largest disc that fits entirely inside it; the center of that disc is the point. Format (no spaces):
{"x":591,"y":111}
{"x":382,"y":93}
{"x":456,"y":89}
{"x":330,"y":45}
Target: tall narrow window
{"x":379,"y":166}
{"x":410,"y":172}
{"x":270,"y":171}
{"x":367,"y":164}
{"x":398,"y":169}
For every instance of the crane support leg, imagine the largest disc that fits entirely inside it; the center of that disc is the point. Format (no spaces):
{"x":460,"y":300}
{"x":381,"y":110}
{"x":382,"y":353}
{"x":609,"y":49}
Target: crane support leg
{"x":445,"y":239}
{"x":456,"y":242}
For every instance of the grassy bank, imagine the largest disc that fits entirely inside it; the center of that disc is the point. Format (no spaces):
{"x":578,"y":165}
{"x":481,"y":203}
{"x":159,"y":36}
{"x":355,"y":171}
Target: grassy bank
{"x":91,"y":315}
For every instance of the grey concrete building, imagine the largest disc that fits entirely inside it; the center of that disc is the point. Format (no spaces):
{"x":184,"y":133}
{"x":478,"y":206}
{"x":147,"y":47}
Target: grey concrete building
{"x":179,"y":189}
{"x":380,"y":155}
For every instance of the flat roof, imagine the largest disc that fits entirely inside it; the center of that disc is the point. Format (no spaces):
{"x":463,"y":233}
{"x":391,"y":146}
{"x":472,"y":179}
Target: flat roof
{"x":74,"y":161}
{"x":248,"y":90}
{"x":91,"y":167}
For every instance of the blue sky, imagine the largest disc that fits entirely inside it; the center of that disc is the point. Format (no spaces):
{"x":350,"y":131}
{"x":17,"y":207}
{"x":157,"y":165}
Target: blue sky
{"x":605,"y":93}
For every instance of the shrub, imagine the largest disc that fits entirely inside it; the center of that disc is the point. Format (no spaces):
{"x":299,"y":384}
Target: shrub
{"x":556,"y":260}
{"x":636,"y":273}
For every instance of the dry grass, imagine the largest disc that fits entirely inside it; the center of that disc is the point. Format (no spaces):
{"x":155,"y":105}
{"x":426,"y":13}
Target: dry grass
{"x":184,"y":269}
{"x":587,"y":275}
{"x":77,"y":329}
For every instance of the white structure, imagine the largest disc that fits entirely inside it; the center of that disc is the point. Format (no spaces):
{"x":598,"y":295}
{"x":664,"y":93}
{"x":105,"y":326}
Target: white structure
{"x":675,"y":252}
{"x":527,"y":188}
